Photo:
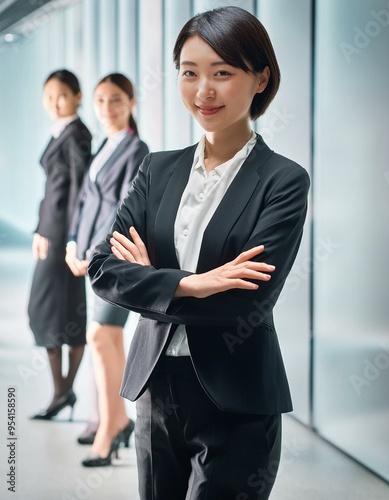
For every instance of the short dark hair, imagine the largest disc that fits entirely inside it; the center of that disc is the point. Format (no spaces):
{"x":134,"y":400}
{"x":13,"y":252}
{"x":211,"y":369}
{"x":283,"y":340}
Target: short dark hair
{"x":124,"y":84}
{"x":67,"y":77}
{"x":241,"y":40}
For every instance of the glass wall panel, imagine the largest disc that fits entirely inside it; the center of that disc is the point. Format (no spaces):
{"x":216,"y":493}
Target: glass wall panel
{"x":107,"y":37}
{"x":177,"y":121}
{"x":127,"y":46}
{"x":351,"y":193}
{"x":286,"y":127}
{"x":151,"y":73}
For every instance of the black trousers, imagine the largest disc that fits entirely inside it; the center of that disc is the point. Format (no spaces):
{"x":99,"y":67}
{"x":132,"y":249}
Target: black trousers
{"x":189,"y":449}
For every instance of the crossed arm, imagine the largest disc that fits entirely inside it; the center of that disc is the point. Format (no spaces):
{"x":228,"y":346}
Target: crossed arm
{"x":234,"y":274}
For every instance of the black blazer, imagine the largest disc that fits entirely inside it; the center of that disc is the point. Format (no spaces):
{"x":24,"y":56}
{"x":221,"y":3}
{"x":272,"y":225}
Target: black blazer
{"x":231,"y":335}
{"x":98,"y":201}
{"x":65,"y":161}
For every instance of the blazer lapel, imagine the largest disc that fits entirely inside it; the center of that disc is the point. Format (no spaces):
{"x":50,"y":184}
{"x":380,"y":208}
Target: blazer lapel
{"x":230,"y":208}
{"x":166,"y":216}
{"x":50,"y":148}
{"x":55,"y":143}
{"x":117,"y":153}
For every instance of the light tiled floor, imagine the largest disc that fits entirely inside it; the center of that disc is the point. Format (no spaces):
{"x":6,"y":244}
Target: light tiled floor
{"x":48,"y":457}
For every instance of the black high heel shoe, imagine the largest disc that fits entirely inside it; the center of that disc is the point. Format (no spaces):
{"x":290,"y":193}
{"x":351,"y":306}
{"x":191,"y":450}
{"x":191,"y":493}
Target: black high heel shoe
{"x":97,"y":461}
{"x":126,"y":433}
{"x":68,"y":399}
{"x":88,"y":436}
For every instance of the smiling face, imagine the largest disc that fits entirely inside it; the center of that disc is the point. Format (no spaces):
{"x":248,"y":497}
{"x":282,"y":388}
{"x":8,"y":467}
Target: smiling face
{"x":217,"y":94}
{"x":113,"y":107}
{"x":59,"y":100}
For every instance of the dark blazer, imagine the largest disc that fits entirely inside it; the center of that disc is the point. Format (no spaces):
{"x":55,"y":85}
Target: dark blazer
{"x":231,"y":335}
{"x":98,"y":201}
{"x":65,"y":161}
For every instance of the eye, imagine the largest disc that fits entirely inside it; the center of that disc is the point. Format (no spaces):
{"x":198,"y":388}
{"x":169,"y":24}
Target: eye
{"x":223,"y":72}
{"x":188,"y":73}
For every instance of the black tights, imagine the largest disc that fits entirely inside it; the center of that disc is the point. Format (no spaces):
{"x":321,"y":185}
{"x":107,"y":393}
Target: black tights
{"x":62,"y":383}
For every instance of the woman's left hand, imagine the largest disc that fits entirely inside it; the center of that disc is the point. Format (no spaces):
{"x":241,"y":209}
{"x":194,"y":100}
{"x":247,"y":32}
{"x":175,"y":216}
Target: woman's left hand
{"x":133,"y":251}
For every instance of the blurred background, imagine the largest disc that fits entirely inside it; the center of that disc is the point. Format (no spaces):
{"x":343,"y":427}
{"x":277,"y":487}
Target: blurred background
{"x":331,"y":116}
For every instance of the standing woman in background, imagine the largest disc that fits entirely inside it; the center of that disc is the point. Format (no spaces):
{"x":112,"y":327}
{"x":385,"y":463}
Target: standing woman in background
{"x":56,"y":307}
{"x":105,"y":185}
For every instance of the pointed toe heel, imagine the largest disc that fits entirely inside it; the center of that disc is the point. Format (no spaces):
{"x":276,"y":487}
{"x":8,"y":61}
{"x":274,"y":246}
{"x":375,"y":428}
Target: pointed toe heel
{"x":97,"y":461}
{"x":68,"y":399}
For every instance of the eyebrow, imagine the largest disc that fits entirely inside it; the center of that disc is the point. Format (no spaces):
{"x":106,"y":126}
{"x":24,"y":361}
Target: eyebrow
{"x":113,"y":95}
{"x":216,"y":63}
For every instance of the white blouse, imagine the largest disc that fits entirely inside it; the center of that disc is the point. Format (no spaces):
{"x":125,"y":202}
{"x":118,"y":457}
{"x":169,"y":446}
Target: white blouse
{"x":199,"y":201}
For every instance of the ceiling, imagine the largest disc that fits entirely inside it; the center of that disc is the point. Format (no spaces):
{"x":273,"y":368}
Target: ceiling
{"x":13,"y":11}
{"x":19,"y":16}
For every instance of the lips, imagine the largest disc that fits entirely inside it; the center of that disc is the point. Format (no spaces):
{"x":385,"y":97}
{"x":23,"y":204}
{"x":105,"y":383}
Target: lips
{"x":209,"y":110}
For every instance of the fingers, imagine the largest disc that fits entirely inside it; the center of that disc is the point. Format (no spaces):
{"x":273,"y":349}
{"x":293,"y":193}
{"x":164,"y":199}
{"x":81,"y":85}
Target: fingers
{"x":245,"y":259}
{"x":82,"y":267}
{"x":77,"y":267}
{"x":43,"y":247}
{"x":122,"y":248}
{"x":250,"y":274}
{"x":74,"y":268}
{"x":132,"y":251}
{"x":249,"y":254}
{"x":139,"y":245}
{"x":117,"y":254}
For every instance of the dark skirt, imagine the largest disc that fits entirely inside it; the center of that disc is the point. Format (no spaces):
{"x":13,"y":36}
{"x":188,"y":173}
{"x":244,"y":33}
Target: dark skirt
{"x":107,"y":314}
{"x":57,"y":305}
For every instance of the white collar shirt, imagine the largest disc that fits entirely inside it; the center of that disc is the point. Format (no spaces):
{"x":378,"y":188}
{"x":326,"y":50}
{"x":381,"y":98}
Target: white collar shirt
{"x":200,"y":199}
{"x":105,"y":152}
{"x":59,"y":126}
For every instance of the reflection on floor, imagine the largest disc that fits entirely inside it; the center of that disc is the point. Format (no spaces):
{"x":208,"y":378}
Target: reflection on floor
{"x":48,"y":457}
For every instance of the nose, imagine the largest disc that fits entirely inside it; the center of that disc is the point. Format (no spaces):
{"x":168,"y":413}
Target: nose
{"x":105,"y":107}
{"x":205,"y":90}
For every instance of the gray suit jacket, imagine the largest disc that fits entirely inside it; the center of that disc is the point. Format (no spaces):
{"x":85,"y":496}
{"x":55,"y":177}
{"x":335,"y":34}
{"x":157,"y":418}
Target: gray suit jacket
{"x":98,"y":201}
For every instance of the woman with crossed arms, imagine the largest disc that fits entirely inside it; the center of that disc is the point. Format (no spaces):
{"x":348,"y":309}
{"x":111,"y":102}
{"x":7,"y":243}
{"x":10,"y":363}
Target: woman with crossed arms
{"x":201,"y":248}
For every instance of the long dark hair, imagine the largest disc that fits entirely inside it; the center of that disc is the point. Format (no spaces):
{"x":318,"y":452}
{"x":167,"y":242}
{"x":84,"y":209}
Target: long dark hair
{"x":241,"y":40}
{"x":124,"y":84}
{"x":68,"y":78}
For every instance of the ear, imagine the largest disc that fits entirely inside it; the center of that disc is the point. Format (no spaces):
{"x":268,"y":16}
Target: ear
{"x":263,"y":80}
{"x":79,"y":98}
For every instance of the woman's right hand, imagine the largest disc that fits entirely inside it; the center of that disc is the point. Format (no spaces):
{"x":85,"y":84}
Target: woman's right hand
{"x":40,"y":247}
{"x":235,"y":274}
{"x":77,"y":266}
